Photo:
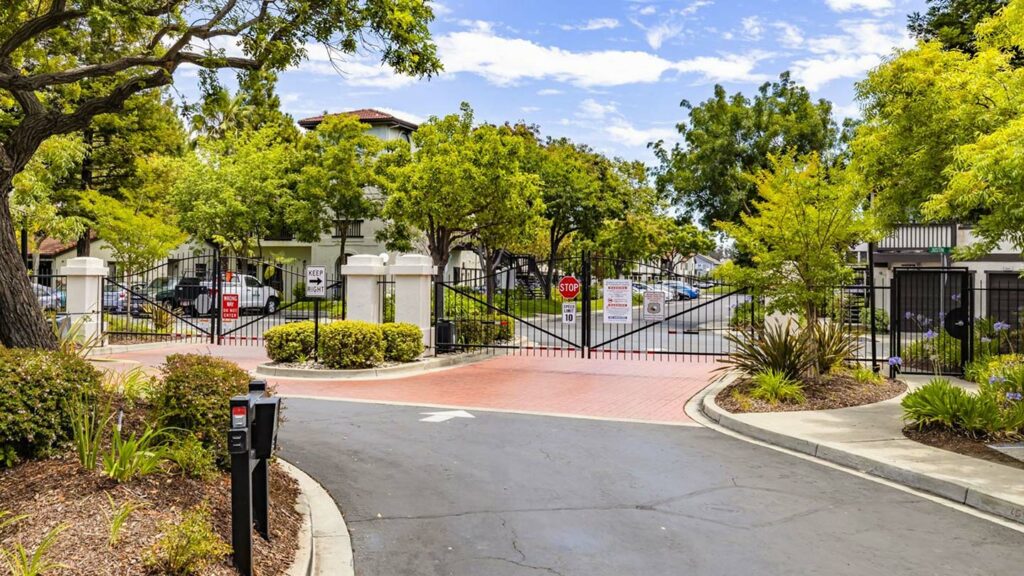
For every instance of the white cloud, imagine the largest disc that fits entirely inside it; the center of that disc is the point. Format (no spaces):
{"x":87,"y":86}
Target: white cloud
{"x":439,"y":8}
{"x":693,"y":7}
{"x":507,"y":61}
{"x":593,"y":110}
{"x":862,"y":46}
{"x":849,"y":5}
{"x":851,"y":110}
{"x":622,"y":130}
{"x":668,"y":26}
{"x":593,"y":24}
{"x":356,"y":70}
{"x":647,"y":10}
{"x":753,"y":27}
{"x":789,"y":35}
{"x":529,"y":109}
{"x":549,"y":92}
{"x":657,"y":35}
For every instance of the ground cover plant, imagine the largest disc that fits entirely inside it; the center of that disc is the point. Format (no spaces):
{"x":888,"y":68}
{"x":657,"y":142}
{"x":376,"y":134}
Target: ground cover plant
{"x":799,"y":367}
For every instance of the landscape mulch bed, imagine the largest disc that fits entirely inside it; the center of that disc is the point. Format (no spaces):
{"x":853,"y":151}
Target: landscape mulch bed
{"x":823,"y":394}
{"x":57,"y":491}
{"x":953,"y":442}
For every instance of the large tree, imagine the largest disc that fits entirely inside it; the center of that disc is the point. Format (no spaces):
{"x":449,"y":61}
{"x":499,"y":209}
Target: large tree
{"x":338,"y":182}
{"x":65,"y":62}
{"x":952,"y":22}
{"x":920,"y":109}
{"x":461,"y":183}
{"x":728,"y":138}
{"x":579,"y":191}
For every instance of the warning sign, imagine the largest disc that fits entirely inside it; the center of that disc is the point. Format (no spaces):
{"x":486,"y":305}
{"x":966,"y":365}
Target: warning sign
{"x":654,"y":305}
{"x":618,"y":301}
{"x":229,"y":307}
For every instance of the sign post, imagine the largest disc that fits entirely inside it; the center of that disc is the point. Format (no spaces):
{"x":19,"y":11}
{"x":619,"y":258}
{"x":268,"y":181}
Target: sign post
{"x":618,"y":301}
{"x":316,"y":288}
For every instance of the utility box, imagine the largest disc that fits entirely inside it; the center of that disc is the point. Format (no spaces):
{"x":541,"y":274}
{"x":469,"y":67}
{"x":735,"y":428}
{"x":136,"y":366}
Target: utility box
{"x":264,"y":427}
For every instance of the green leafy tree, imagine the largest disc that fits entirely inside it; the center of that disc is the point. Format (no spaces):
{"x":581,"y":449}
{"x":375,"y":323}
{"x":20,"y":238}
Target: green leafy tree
{"x":680,"y":240}
{"x":985,"y":177}
{"x":920,"y":109}
{"x":126,"y":48}
{"x":338,"y":179}
{"x":804,"y":223}
{"x":728,"y":138}
{"x":632,"y":233}
{"x":578,"y":191}
{"x":137,"y":238}
{"x":231,"y":190}
{"x":952,"y":22}
{"x":460,"y":184}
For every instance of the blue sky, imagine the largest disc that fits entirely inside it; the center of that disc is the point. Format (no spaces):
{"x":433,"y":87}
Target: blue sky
{"x":610,"y":73}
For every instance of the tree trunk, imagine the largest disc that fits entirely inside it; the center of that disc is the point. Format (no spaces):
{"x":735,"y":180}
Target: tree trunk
{"x":549,"y":276}
{"x":23,"y":325}
{"x":84,"y":245}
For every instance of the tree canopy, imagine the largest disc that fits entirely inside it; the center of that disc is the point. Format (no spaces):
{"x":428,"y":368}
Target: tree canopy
{"x":65,"y":62}
{"x":952,"y":22}
{"x":727,"y":138}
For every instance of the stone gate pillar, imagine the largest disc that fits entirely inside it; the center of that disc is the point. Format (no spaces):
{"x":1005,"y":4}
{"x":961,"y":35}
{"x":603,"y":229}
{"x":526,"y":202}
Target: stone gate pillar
{"x":414,"y":275}
{"x":84,"y":294}
{"x":363,"y":292}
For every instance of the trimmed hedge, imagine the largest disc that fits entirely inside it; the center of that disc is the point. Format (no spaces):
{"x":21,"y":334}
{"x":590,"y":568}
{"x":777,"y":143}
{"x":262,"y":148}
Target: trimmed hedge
{"x":290,"y":342}
{"x":195,"y":395}
{"x":403,"y":342}
{"x":35,"y":414}
{"x":483,"y":329}
{"x":351,"y":344}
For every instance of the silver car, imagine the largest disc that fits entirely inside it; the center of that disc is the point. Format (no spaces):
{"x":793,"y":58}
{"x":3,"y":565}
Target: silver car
{"x":49,"y":299}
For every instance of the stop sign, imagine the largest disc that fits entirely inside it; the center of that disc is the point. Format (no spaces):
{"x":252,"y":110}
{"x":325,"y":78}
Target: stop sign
{"x":569,"y":287}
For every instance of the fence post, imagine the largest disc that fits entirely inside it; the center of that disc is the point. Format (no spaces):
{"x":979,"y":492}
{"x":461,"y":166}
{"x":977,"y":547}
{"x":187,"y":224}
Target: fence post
{"x":362,"y":273}
{"x":413,"y":274}
{"x":84,"y":292}
{"x":871,"y":307}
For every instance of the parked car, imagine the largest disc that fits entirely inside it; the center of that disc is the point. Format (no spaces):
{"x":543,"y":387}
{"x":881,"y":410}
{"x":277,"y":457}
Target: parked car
{"x":679,"y":290}
{"x":159,"y":290}
{"x":640,"y":288}
{"x":49,"y":298}
{"x":115,"y":298}
{"x":252,"y":294}
{"x":705,"y":284}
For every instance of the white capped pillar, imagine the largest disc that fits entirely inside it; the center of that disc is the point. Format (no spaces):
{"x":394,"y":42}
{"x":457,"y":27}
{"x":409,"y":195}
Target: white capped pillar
{"x":84,"y":293}
{"x":414,"y":276}
{"x":362,"y":292}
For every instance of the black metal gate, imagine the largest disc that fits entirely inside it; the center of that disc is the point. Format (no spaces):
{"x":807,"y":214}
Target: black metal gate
{"x":519,"y":309}
{"x":932,"y":327}
{"x":211,"y":297}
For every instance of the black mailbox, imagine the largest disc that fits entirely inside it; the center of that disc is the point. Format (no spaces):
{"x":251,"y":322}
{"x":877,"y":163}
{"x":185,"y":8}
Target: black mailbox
{"x":264,"y":426}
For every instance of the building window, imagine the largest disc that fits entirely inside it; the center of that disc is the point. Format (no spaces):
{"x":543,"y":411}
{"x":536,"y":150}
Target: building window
{"x":348,"y":228}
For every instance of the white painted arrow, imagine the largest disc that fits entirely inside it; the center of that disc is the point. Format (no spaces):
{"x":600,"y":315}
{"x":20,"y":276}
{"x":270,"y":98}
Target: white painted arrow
{"x":445,"y":416}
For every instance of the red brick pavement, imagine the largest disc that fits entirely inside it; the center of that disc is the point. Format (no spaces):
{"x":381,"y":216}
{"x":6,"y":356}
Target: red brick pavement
{"x":645,"y":390}
{"x":614,"y":389}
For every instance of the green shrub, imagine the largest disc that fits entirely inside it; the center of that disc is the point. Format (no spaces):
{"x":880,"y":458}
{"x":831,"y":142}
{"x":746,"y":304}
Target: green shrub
{"x":290,"y":342}
{"x":133,"y":386}
{"x":779,"y":348}
{"x":135,"y":456}
{"x":189,"y":546}
{"x":881,"y":319}
{"x":22,"y":561}
{"x":483,"y":329}
{"x":865,"y":375}
{"x":195,"y":396}
{"x":89,"y":420}
{"x":831,"y":345}
{"x":745,"y":316}
{"x":351,"y":344}
{"x":403,"y":342}
{"x":936,"y":403}
{"x":943,"y":349}
{"x":35,"y":407}
{"x":119,"y":516}
{"x":192,"y":458}
{"x":774,"y":387}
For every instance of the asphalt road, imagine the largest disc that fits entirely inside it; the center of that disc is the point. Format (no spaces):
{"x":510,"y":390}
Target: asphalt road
{"x":505,"y":494}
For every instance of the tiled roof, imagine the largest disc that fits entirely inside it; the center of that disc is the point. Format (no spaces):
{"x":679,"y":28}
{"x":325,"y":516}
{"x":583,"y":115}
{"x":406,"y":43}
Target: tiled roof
{"x":55,"y":247}
{"x":368,"y":115}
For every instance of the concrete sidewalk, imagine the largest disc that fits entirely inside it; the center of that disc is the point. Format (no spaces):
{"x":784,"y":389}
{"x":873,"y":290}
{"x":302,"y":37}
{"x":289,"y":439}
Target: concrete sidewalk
{"x":870,"y":439}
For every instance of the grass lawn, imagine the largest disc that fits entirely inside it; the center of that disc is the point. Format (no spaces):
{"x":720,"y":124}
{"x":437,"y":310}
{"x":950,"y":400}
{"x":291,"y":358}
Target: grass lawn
{"x":522,"y":308}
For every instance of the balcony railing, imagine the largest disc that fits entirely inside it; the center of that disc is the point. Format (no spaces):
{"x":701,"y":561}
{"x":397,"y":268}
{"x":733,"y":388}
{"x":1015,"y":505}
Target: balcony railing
{"x":920,"y":237}
{"x":348,"y":228}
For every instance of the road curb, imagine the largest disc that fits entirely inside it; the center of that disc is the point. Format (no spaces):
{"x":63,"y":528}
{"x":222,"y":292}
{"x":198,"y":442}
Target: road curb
{"x":950,"y":489}
{"x":325,"y":547}
{"x":426,"y":365}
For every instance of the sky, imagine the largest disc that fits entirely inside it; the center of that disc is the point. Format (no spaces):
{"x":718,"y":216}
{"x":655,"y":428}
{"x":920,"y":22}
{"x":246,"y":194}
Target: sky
{"x":609,"y":73}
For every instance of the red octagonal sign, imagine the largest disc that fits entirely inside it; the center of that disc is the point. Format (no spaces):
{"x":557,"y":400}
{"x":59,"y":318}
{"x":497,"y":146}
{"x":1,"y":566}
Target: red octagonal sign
{"x":569,"y":287}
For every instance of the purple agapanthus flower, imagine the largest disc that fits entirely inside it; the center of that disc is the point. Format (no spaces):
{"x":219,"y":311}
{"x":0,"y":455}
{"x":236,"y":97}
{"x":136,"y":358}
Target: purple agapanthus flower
{"x":996,"y":379}
{"x":1001,"y":326}
{"x":954,"y":297}
{"x":908,"y":315}
{"x":1013,"y":396}
{"x":895,"y":361}
{"x":930,"y":335}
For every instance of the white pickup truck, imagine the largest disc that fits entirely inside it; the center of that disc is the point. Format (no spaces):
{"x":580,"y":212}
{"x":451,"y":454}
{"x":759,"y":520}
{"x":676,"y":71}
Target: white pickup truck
{"x":252,"y":294}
